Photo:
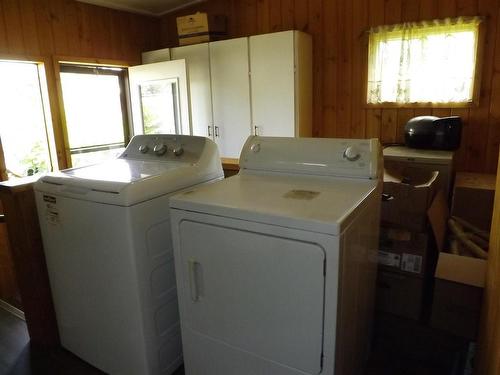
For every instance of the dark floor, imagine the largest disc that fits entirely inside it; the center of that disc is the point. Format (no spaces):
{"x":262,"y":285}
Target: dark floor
{"x":401,"y":347}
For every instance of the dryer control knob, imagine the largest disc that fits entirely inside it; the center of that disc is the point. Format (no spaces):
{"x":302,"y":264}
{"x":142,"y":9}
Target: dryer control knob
{"x":143,"y":149}
{"x":351,"y":154}
{"x":255,"y":147}
{"x":160,"y":149}
{"x":178,"y":151}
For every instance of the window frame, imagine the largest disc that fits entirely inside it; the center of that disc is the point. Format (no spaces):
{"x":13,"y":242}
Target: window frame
{"x":48,"y":108}
{"x":476,"y":92}
{"x":81,"y":65}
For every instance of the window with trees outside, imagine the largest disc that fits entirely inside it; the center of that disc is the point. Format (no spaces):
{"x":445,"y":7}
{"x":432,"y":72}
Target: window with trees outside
{"x":27,"y":146}
{"x":424,"y":62}
{"x":95,"y":112}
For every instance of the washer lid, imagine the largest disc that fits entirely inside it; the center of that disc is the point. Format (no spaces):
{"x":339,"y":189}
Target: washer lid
{"x":402,"y":153}
{"x":318,"y":204}
{"x":111,"y":176}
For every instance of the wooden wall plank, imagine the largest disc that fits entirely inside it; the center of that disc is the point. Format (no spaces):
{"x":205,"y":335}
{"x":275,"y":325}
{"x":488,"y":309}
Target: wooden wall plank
{"x":59,"y":26}
{"x":330,"y":61}
{"x":275,"y":19}
{"x":3,"y":32}
{"x":344,"y":68}
{"x":287,"y":10}
{"x":12,"y":19}
{"x":410,"y":10}
{"x":403,"y":116}
{"x":263,"y":16}
{"x":315,"y":22}
{"x":446,"y":8}
{"x":29,"y":29}
{"x":359,"y":42}
{"x":44,"y":27}
{"x":301,"y":14}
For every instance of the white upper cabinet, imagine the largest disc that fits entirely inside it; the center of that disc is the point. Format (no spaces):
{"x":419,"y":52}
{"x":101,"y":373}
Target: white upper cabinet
{"x":198,"y":69}
{"x":238,"y":87}
{"x":281,"y":84}
{"x":230,"y":94}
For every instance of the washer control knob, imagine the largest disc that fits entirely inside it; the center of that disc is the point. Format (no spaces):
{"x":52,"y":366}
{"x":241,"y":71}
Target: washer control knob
{"x":178,"y":150}
{"x":351,"y":154}
{"x":160,"y":149}
{"x":143,"y":149}
{"x":255,"y":147}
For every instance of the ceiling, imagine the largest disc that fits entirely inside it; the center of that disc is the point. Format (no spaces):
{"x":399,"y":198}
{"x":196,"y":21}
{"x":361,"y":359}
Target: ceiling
{"x":149,"y":7}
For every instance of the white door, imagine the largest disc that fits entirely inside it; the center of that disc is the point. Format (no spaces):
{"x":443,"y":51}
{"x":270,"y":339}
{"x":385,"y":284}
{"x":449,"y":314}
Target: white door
{"x":272,"y":67}
{"x":160,"y":98}
{"x":198,"y":67}
{"x":257,"y":293}
{"x":230,"y":94}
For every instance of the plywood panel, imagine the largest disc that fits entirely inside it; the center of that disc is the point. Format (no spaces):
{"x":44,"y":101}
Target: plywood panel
{"x":489,"y":339}
{"x":339,"y":97}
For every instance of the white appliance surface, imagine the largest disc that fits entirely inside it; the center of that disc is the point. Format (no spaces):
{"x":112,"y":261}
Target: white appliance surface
{"x":109,"y":255}
{"x":285,"y":200}
{"x":276,"y":266}
{"x":418,"y":155}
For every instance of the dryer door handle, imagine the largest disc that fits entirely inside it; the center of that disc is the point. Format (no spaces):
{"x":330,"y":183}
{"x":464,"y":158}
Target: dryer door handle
{"x":194,"y":269}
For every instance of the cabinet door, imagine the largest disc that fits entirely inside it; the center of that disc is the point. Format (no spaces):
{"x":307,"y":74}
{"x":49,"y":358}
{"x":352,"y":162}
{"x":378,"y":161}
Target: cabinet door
{"x":159,"y":98}
{"x":273,"y":84}
{"x":230,"y":94}
{"x":198,"y":68}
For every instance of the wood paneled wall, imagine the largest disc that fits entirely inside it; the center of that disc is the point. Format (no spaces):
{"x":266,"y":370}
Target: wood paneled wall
{"x":338,"y":29}
{"x":70,"y":28}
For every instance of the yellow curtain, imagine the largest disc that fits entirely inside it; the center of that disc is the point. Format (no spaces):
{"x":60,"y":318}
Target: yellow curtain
{"x":431,"y":61}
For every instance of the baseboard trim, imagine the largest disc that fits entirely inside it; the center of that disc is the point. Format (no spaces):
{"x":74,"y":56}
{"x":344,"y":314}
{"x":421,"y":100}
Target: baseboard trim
{"x":13,"y":310}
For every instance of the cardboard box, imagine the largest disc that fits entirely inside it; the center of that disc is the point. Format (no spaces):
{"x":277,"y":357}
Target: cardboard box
{"x":400,"y":294}
{"x":408,"y":193}
{"x":200,"y":28}
{"x":403,"y":251}
{"x":458,"y":293}
{"x":473,"y":197}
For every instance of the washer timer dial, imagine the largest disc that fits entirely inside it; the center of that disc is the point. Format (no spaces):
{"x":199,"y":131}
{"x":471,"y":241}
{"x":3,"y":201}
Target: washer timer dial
{"x":351,"y":153}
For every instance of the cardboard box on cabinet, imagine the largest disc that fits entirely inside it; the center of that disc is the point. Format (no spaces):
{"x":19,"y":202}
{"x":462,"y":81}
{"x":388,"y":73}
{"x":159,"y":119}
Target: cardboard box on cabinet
{"x":200,"y":28}
{"x":473,"y":197}
{"x":458,"y":293}
{"x":408,"y":193}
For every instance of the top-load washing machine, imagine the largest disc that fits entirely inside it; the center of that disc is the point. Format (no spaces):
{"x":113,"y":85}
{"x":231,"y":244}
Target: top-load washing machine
{"x":107,"y":243}
{"x":276,"y":266}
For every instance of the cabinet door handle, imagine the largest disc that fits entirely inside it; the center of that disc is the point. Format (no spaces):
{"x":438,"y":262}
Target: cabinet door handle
{"x":255,"y":129}
{"x":193,"y":266}
{"x":217,"y":131}
{"x":209,"y":131}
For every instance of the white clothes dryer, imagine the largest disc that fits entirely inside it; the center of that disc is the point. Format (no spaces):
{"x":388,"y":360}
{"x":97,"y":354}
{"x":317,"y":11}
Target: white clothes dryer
{"x":276,"y":266}
{"x":107,"y":243}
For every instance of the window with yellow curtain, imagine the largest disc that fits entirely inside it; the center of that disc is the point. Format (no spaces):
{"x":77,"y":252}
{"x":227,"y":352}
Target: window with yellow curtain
{"x":424,"y":62}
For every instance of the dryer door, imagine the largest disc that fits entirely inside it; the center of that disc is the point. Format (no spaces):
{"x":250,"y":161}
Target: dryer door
{"x":257,"y":293}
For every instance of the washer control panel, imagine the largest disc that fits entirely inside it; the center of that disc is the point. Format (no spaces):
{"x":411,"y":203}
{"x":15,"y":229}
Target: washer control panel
{"x":165,"y":147}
